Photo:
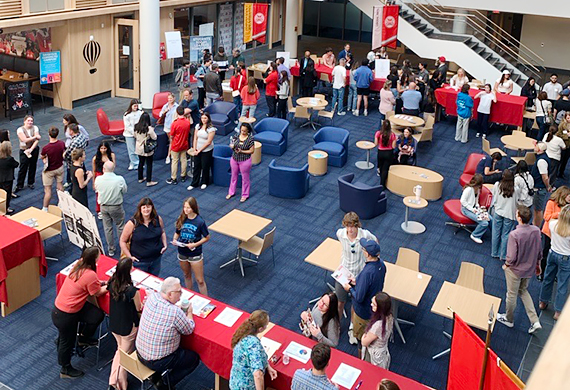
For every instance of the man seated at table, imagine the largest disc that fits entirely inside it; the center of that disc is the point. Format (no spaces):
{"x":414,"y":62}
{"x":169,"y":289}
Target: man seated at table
{"x":158,"y":340}
{"x":316,"y":377}
{"x":411,"y":99}
{"x":491,"y":168}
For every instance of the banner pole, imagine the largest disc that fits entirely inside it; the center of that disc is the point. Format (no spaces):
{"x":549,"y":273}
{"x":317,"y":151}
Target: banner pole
{"x":487,"y":343}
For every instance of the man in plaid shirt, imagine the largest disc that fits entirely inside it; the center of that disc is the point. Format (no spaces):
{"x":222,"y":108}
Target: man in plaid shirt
{"x":158,"y":339}
{"x":78,"y":141}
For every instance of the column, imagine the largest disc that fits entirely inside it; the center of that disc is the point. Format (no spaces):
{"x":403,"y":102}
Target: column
{"x":291,"y":20}
{"x":460,"y":21}
{"x":149,"y":27}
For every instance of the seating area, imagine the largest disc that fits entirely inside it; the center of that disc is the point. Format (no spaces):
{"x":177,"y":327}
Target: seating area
{"x":273,"y":134}
{"x":113,"y":129}
{"x":334,"y":141}
{"x":221,"y":170}
{"x":224,"y":116}
{"x":365,"y":200}
{"x":287,"y":182}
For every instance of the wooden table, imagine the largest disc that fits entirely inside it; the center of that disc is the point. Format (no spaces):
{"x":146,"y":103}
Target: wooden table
{"x":45,"y":221}
{"x":403,"y":178}
{"x":471,"y":305}
{"x":256,"y":156}
{"x":366,"y":145}
{"x":403,"y":120}
{"x":318,"y":161}
{"x":413,"y":227}
{"x":13,"y":77}
{"x":241,"y":226}
{"x":244,"y":119}
{"x":256,"y":70}
{"x":2,"y":202}
{"x":516,"y":142}
{"x":312,"y":103}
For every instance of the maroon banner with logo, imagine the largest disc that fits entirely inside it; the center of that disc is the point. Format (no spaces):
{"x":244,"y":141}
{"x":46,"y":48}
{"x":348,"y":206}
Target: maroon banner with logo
{"x":259,"y":22}
{"x":390,"y":25}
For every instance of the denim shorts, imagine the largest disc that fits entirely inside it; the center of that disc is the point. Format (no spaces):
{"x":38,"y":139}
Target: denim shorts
{"x":191,"y":259}
{"x":539,"y":200}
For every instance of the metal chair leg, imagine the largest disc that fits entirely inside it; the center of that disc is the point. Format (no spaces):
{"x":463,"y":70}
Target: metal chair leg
{"x":273,"y":254}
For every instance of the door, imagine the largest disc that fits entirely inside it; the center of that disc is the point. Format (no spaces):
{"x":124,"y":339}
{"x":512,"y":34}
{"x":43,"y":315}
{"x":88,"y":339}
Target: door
{"x":126,"y":48}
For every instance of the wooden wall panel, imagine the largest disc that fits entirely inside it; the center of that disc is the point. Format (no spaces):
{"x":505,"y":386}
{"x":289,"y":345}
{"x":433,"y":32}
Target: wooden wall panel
{"x":166,"y":24}
{"x":62,"y":91}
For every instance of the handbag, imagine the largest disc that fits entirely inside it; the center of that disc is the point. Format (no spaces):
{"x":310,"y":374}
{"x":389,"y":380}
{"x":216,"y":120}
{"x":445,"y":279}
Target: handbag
{"x":149,"y":145}
{"x":123,"y":255}
{"x":547,"y":116}
{"x":530,"y":190}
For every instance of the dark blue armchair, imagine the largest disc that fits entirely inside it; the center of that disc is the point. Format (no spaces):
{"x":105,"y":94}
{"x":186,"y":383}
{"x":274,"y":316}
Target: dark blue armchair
{"x":221,"y":170}
{"x":366,"y":201}
{"x":224,"y":115}
{"x":286,"y":182}
{"x":334,"y":141}
{"x":272,"y":133}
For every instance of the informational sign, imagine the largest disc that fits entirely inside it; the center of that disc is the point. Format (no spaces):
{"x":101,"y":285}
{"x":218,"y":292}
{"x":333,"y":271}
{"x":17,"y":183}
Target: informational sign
{"x":50,"y":67}
{"x":385,"y":26}
{"x":206,"y":29}
{"x":18,"y":96}
{"x":247,"y":22}
{"x":381,"y":68}
{"x":225,"y":24}
{"x":80,"y":224}
{"x":286,"y":56}
{"x":197,"y":44}
{"x":173,"y":44}
{"x":238,"y":33}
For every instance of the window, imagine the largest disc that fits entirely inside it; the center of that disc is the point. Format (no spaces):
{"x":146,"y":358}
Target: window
{"x":336,"y":19}
{"x":351,"y":23}
{"x":366,"y":34}
{"x":311,"y":18}
{"x":331,"y":25}
{"x":46,"y":5}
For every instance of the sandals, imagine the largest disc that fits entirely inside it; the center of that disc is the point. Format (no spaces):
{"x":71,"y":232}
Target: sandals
{"x":243,"y":199}
{"x":228,"y":196}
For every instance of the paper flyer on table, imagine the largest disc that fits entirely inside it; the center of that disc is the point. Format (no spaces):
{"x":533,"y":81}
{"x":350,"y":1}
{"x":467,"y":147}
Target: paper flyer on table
{"x":346,"y":375}
{"x":67,"y":269}
{"x":138,"y":276}
{"x":151,"y":283}
{"x":298,"y":352}
{"x":270,"y":346}
{"x":198,"y":304}
{"x":342,"y":275}
{"x":228,"y":317}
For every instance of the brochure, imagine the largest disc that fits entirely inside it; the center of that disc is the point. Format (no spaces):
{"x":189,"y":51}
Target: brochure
{"x":345,"y":375}
{"x":270,"y":346}
{"x":228,"y":317}
{"x":298,"y":352}
{"x":198,"y":303}
{"x":342,"y":275}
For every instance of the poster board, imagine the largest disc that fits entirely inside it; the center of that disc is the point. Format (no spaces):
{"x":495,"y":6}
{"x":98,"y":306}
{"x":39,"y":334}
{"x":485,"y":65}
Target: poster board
{"x":197,"y":44}
{"x":206,"y":29}
{"x":381,"y":68}
{"x":50,"y":67}
{"x":80,"y":224}
{"x":286,"y":55}
{"x":225,"y":26}
{"x":173,"y":44}
{"x":18,"y":97}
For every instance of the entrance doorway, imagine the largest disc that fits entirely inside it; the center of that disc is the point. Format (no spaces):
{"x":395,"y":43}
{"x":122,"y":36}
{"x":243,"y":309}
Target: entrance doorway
{"x":126,"y":38}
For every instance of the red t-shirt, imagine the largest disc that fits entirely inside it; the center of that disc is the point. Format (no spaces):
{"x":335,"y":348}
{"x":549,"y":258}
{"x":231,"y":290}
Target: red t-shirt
{"x":54,"y":152}
{"x":378,"y":138}
{"x":74,"y":293}
{"x":271,"y":84}
{"x":179,"y":135}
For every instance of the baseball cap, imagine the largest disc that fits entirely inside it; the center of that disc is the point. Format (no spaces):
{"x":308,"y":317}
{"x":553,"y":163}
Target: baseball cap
{"x":441,"y":58}
{"x":370,"y":246}
{"x":566,"y":92}
{"x":506,"y":71}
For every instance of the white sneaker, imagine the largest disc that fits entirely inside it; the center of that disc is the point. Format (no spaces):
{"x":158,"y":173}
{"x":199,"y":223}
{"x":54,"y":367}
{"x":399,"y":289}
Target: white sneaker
{"x":351,"y":338}
{"x":477,"y":240}
{"x":342,"y":113}
{"x":502,"y":318}
{"x":189,"y":188}
{"x":484,"y":136}
{"x":203,"y":186}
{"x":45,"y":209}
{"x":534,"y":327}
{"x":99,"y":216}
{"x":167,"y":161}
{"x":478,"y":135}
{"x":355,"y":113}
{"x":131,"y":167}
{"x":365,"y":112}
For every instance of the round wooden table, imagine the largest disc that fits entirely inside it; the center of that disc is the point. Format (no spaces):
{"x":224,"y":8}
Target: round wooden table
{"x":256,"y":156}
{"x":366,"y":145}
{"x":518,"y":143}
{"x":403,"y":178}
{"x":244,"y":119}
{"x":402,"y":120}
{"x":318,"y":160}
{"x":312,"y":103}
{"x":413,"y":227}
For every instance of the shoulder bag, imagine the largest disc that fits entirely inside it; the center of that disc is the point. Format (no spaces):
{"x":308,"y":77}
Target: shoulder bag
{"x":149,"y":144}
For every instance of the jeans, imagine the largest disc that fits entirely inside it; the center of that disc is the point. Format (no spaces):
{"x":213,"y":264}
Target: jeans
{"x":500,"y":234}
{"x":151,"y":267}
{"x":352,"y":97}
{"x":202,"y":167}
{"x":237,"y":102}
{"x":243,"y":167}
{"x":211,"y":97}
{"x":481,"y":225}
{"x":271,"y":104}
{"x":112,"y":215}
{"x":557,"y":266}
{"x":542,"y":127}
{"x":148,"y":161}
{"x":248,"y":111}
{"x":483,"y":123}
{"x":462,"y":129}
{"x":517,"y":287}
{"x":133,"y":157}
{"x":178,"y":156}
{"x":180,"y":363}
{"x":338,"y":97}
{"x":28,"y":166}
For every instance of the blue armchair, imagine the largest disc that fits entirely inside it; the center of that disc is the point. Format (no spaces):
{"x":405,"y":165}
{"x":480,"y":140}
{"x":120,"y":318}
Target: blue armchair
{"x":224,"y":115}
{"x":366,"y":201}
{"x":221,"y":170}
{"x":334,"y":141}
{"x":272,"y":133}
{"x":286,"y":182}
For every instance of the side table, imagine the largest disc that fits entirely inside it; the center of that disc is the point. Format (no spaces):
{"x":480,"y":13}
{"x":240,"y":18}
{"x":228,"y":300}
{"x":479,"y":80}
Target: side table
{"x":318,"y":160}
{"x":413,"y":227}
{"x":366,"y":145}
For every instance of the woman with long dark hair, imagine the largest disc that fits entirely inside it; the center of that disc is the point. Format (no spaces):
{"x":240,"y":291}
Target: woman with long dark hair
{"x":325,"y":316}
{"x":504,"y":85}
{"x":529,"y":91}
{"x":243,"y":147}
{"x":71,"y":307}
{"x":143,"y":132}
{"x":144,"y":239}
{"x":283,"y":95}
{"x":67,"y":120}
{"x":385,"y":141}
{"x":471,"y":209}
{"x":191,"y":233}
{"x":130,"y":119}
{"x":104,"y":153}
{"x":124,"y":308}
{"x":406,"y":148}
{"x":203,"y":151}
{"x":524,"y":184}
{"x":80,"y":177}
{"x":378,"y":331}
{"x":7,"y":167}
{"x":543,"y":114}
{"x":505,"y":216}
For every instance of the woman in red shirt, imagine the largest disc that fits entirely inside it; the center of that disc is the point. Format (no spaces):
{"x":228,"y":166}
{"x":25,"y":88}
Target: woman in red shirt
{"x":385,"y":140}
{"x":236,"y":83}
{"x":71,"y":307}
{"x":271,"y":86}
{"x":249,"y":97}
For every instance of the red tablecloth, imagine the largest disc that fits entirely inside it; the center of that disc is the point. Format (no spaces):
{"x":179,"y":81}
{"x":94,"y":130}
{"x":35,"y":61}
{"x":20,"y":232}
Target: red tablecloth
{"x":18,"y":243}
{"x":212,"y":341}
{"x":508,"y":110}
{"x":376,"y":84}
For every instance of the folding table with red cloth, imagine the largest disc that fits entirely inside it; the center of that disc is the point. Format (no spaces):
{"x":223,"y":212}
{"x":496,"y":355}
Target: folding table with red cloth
{"x":375,"y":85}
{"x":18,"y":245}
{"x":508,"y":110}
{"x":212,"y":341}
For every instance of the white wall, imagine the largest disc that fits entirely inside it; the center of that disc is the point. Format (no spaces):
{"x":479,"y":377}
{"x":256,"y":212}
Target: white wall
{"x":555,"y":8}
{"x":547,"y":37}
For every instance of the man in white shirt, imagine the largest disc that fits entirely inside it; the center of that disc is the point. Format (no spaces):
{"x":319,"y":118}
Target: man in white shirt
{"x":339,"y":84}
{"x":553,"y":88}
{"x":540,"y":172}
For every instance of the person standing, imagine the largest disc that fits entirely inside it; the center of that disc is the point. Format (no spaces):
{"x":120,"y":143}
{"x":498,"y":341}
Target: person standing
{"x":439,"y":76}
{"x":203,"y":151}
{"x":540,"y":172}
{"x":78,"y":141}
{"x":80,"y":177}
{"x":200,"y":74}
{"x":7,"y":167}
{"x":505,"y":199}
{"x":464,"y":112}
{"x":316,"y":377}
{"x":385,"y":140}
{"x":191,"y":233}
{"x":524,"y":183}
{"x":387,"y":101}
{"x":168,"y":113}
{"x":237,"y":81}
{"x":282,"y":67}
{"x":339,"y":85}
{"x":543,"y":114}
{"x":104,"y":154}
{"x":213,"y":85}
{"x":283,"y":95}
{"x":504,"y":85}
{"x":52,"y":156}
{"x":243,"y":147}
{"x":308,"y":79}
{"x":305,"y":62}
{"x":130,"y":119}
{"x":352,"y":90}
{"x":564,"y":133}
{"x":524,"y":254}
{"x":552,"y":88}
{"x":221,"y":56}
{"x":487,"y":98}
{"x":249,"y":97}
{"x":378,"y":332}
{"x":143,"y":132}
{"x":422,"y":79}
{"x":179,"y":146}
{"x":555,"y":149}
{"x":237,"y":59}
{"x":190,"y":105}
{"x":29,"y":136}
{"x":271,"y":84}
{"x":558,"y":199}
{"x":363,"y":77}
{"x":347,"y":55}
{"x":111,"y":189}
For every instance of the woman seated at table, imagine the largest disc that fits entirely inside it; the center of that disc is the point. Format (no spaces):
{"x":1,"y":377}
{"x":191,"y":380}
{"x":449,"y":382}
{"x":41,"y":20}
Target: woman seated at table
{"x":323,"y":322}
{"x":459,"y":79}
{"x":249,"y":360}
{"x":406,"y":148}
{"x":328,"y":58}
{"x":491,"y":168}
{"x":471,"y":209}
{"x":378,"y":332}
{"x":71,"y":308}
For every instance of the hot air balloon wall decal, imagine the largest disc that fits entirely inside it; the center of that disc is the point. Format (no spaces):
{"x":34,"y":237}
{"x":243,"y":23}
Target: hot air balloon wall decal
{"x":91,"y":53}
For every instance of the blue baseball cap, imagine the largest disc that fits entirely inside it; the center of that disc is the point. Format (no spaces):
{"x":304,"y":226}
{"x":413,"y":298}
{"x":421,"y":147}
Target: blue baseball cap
{"x":370,"y":246}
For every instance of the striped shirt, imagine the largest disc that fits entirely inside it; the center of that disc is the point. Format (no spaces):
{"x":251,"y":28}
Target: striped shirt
{"x":307,"y":380}
{"x":160,"y":328}
{"x":77,"y":142}
{"x":352,"y":256}
{"x":242,"y":145}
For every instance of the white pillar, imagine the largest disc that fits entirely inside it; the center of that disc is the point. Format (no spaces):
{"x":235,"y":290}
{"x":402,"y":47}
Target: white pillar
{"x":459,"y":21}
{"x":291,"y":20}
{"x":149,"y":27}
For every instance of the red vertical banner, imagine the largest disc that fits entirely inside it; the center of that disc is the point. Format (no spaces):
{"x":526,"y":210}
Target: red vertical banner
{"x":259,"y":22}
{"x":390,"y":14}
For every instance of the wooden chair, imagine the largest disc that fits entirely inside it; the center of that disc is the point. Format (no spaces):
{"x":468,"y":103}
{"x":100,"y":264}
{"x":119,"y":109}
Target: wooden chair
{"x":328,"y":114}
{"x":291,"y":109}
{"x":408,"y":258}
{"x":529,"y":157}
{"x":471,"y":276}
{"x":132,"y":364}
{"x":320,"y":96}
{"x":3,"y":197}
{"x":302,"y":112}
{"x":519,"y":133}
{"x":54,"y":230}
{"x":390,"y":114}
{"x":425,"y":135}
{"x":257,"y":245}
{"x":314,"y":58}
{"x":487,"y":148}
{"x":430,"y":121}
